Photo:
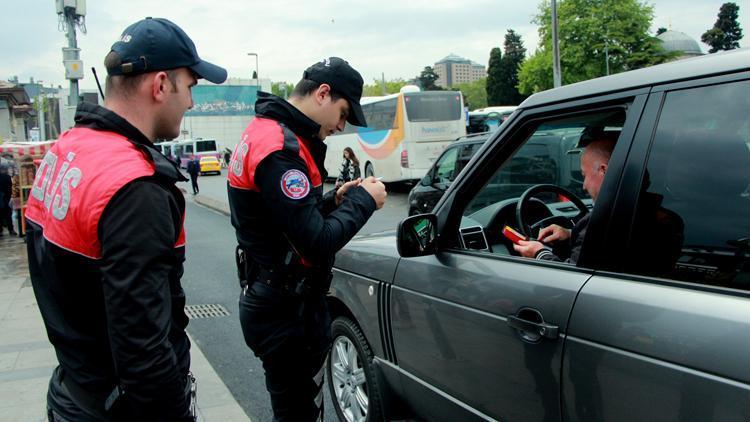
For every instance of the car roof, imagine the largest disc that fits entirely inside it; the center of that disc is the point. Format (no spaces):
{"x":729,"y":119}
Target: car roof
{"x":473,"y":138}
{"x":685,"y":69}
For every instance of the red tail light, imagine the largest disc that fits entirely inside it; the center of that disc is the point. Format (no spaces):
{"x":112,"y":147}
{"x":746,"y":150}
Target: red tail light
{"x":405,"y":159}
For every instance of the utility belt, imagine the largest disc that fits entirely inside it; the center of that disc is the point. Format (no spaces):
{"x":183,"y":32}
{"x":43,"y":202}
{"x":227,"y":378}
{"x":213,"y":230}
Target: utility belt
{"x":104,"y":409}
{"x":294,"y":278}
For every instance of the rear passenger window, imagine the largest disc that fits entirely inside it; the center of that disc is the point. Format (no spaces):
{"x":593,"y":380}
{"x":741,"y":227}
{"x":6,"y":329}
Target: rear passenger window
{"x":693,"y":217}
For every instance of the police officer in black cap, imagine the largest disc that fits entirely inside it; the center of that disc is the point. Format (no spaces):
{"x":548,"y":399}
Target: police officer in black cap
{"x":288,"y":231}
{"x":106,"y":241}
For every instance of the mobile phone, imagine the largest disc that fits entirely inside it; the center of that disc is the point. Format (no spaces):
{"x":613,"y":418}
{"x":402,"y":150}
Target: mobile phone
{"x":513,"y":235}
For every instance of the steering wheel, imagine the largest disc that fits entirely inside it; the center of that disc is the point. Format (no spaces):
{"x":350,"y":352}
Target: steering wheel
{"x":560,"y":220}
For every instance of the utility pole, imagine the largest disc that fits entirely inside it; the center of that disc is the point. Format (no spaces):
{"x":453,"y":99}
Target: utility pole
{"x":72,"y":13}
{"x":556,"y":73}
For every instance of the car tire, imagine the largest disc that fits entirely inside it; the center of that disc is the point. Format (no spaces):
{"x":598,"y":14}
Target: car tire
{"x":353,"y":385}
{"x":369,"y":170}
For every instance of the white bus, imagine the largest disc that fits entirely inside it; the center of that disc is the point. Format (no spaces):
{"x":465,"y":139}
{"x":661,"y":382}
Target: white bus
{"x":406,"y":132}
{"x":188,"y":149}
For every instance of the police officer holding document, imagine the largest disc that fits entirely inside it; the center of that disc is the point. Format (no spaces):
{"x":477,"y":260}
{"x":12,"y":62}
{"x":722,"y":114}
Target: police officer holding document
{"x":106,"y":241}
{"x":288,"y":231}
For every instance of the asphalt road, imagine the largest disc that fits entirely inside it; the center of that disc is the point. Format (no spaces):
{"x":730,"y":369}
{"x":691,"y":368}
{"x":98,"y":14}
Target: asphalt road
{"x":210,"y":278}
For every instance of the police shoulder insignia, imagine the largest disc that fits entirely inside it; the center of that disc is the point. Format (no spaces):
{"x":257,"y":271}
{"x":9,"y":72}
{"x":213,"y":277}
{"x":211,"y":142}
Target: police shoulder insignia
{"x":295,"y":184}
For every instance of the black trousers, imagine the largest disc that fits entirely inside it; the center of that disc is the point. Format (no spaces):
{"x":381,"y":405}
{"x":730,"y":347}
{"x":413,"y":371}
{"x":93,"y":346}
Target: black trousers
{"x":292,"y":336}
{"x":6,"y":219}
{"x":194,"y":181}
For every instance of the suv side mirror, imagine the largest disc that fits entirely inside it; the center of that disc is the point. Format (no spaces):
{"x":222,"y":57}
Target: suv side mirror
{"x":427,"y":180}
{"x":417,"y":235}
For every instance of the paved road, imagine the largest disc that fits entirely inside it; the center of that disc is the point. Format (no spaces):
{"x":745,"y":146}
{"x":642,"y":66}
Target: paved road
{"x":210,"y":278}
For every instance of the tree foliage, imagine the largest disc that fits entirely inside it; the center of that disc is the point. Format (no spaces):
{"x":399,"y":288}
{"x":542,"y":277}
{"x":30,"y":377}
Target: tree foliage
{"x":515,"y":54}
{"x":494,"y":76}
{"x":587,"y":30}
{"x":282,"y":89}
{"x":376,"y":89}
{"x":726,"y":33}
{"x":426,"y":79}
{"x":474,"y":93}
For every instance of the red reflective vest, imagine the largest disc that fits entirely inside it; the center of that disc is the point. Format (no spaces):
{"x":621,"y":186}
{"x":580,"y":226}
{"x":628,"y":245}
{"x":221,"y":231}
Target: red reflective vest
{"x":262,"y":137}
{"x":76,"y":180}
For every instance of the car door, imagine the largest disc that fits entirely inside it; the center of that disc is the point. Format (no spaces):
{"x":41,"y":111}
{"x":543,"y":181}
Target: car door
{"x":478,"y":332}
{"x":662,"y":332}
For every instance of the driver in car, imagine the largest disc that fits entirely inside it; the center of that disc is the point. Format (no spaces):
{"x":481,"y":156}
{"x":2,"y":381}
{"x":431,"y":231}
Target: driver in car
{"x":594,"y":162}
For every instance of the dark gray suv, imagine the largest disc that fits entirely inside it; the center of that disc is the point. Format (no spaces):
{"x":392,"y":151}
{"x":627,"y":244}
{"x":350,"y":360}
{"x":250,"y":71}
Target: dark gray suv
{"x":442,"y":320}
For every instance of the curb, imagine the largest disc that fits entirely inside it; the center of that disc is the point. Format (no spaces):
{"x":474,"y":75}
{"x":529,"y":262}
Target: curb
{"x":213,"y":204}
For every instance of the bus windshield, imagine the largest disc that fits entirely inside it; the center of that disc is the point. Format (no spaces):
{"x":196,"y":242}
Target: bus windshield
{"x":433,"y":106}
{"x":205,"y":145}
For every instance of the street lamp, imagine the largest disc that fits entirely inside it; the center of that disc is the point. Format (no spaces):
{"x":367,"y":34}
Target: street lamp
{"x":257,"y":72}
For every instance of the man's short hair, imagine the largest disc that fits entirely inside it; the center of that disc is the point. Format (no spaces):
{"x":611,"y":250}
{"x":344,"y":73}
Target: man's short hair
{"x":601,"y":148}
{"x":306,"y":87}
{"x":126,"y":85}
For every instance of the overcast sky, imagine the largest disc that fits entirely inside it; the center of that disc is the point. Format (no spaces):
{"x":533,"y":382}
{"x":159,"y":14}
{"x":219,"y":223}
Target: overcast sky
{"x":396,"y":37}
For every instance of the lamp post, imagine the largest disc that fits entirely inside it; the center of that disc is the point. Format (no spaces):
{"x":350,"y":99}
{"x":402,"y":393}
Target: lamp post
{"x":257,"y":72}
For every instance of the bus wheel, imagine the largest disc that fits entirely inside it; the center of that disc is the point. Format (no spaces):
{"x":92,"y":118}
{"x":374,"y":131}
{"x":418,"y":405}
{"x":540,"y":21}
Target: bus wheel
{"x":369,"y":170}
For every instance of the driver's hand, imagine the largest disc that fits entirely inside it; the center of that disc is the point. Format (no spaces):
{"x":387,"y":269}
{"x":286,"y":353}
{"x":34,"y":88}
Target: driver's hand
{"x":528,"y":248}
{"x":553,"y":233}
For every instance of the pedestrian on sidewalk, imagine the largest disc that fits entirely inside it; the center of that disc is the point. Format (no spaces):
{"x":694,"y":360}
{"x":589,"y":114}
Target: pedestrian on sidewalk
{"x":289,"y":232}
{"x":6,"y":191}
{"x":106,"y":259}
{"x":194,"y":170}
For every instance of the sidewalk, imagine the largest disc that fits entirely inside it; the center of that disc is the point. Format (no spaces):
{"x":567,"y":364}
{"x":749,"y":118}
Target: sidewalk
{"x":27,"y":358}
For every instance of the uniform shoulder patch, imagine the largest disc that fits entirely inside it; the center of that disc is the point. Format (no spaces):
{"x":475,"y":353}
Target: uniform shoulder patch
{"x":295,"y":184}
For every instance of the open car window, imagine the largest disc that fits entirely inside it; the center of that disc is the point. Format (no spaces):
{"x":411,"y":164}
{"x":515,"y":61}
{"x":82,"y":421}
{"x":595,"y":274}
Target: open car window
{"x":551,"y":155}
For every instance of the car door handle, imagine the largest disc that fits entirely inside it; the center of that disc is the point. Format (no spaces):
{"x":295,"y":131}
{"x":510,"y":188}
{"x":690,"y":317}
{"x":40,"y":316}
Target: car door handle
{"x":534,"y":328}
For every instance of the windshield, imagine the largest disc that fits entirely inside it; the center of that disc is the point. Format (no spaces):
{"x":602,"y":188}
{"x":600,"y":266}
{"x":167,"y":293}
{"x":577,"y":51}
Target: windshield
{"x":205,"y":145}
{"x":433,"y":106}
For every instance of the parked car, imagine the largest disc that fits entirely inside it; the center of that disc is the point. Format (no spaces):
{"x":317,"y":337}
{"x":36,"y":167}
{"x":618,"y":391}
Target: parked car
{"x":488,"y":119}
{"x":210,"y":165}
{"x":442,"y":320}
{"x":425,"y":194}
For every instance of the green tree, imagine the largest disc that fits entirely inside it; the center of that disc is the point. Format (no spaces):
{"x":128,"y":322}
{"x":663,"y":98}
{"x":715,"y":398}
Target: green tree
{"x":427,"y":78}
{"x":726,"y":33}
{"x":494,"y":76}
{"x":475,"y":93}
{"x":282,"y":89}
{"x":376,"y":89}
{"x":589,"y":31}
{"x":515,"y":54}
{"x":661,"y":30}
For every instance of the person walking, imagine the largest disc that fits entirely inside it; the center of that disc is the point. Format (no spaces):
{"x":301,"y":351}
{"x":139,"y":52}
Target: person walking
{"x":194,"y":170}
{"x":289,"y":231}
{"x":106,"y":242}
{"x":349,"y":168}
{"x":6,"y":191}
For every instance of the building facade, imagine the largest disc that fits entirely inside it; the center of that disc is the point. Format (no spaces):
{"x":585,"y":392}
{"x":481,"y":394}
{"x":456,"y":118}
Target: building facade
{"x":453,"y":70}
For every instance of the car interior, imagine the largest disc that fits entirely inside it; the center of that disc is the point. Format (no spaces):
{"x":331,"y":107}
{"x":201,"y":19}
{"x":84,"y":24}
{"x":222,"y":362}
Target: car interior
{"x":539,"y":185}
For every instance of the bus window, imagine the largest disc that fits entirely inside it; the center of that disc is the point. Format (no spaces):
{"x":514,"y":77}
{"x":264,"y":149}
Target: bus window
{"x":381,"y":115}
{"x":206,"y":145}
{"x":433,"y":106}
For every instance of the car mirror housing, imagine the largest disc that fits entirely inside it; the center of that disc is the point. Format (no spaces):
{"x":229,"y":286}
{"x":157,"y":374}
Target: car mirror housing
{"x":417,"y":235}
{"x":426,"y":181}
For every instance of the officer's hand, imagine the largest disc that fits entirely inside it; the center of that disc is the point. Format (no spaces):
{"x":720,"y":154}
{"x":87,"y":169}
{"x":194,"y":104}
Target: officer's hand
{"x":528,"y":249}
{"x":376,"y":189}
{"x":341,"y":190}
{"x":553,"y":233}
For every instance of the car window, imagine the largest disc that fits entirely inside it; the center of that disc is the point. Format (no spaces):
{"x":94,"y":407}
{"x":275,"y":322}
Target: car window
{"x":465,"y":153}
{"x":549,"y":156}
{"x":693,"y":217}
{"x":445,"y":168}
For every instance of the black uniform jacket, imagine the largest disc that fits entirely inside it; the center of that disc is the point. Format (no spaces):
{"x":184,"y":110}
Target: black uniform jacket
{"x":267,"y":220}
{"x":120,"y":319}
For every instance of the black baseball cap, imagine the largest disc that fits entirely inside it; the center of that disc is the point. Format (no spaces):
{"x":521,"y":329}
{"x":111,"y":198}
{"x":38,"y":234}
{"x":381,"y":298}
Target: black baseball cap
{"x":344,"y":80}
{"x":154,"y":44}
